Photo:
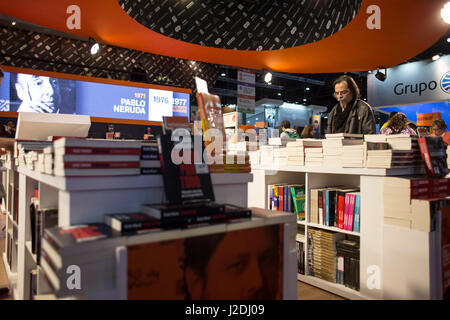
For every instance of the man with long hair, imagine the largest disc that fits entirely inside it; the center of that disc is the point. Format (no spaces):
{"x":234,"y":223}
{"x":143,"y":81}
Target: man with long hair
{"x":351,"y":114}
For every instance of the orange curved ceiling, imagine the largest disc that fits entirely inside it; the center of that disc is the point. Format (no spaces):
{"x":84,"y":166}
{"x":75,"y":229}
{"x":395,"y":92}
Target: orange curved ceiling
{"x":407,"y":28}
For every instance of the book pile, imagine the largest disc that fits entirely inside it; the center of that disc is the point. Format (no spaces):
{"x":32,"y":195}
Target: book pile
{"x":333,"y":147}
{"x":232,"y":163}
{"x":277,"y":141}
{"x":295,"y":154}
{"x":337,"y":207}
{"x":280,"y":157}
{"x":96,"y":157}
{"x":48,"y":160}
{"x":313,"y":152}
{"x":402,"y":142}
{"x":300,"y":246}
{"x":380,"y":155}
{"x":266,"y":155}
{"x":347,"y":269}
{"x":150,"y":163}
{"x":434,"y":154}
{"x":254,"y":157}
{"x":91,"y":248}
{"x":322,"y":253}
{"x":399,"y":193}
{"x":287,"y":198}
{"x":26,"y":152}
{"x":354,"y":156}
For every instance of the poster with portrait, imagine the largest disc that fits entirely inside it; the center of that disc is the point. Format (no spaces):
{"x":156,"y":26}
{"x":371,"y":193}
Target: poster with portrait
{"x":316,"y":123}
{"x":236,"y":265}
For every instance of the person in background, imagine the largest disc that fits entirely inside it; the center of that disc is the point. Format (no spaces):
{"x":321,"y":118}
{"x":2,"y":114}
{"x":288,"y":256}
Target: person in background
{"x":438,"y":127}
{"x":398,"y":124}
{"x":9,"y":129}
{"x":351,"y":114}
{"x":287,"y":131}
{"x":412,"y":125}
{"x":38,"y":94}
{"x":308,"y":132}
{"x":298,"y":130}
{"x":391,"y":115}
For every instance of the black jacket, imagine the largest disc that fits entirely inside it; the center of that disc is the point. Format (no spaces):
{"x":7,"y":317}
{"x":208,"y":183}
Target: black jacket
{"x":360,"y":120}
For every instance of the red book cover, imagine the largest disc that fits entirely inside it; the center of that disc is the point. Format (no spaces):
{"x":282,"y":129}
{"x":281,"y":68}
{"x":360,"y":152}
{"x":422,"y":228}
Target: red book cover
{"x":346,"y":206}
{"x":426,"y":155}
{"x":324,"y":207}
{"x":320,"y":205}
{"x":341,"y":207}
{"x":101,"y":165}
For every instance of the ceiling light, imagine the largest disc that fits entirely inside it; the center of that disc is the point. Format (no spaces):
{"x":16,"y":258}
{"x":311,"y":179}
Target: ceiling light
{"x":223,"y":74}
{"x":279,"y":93}
{"x":380,"y":76}
{"x":445,"y":12}
{"x":13,"y":23}
{"x":94,"y":46}
{"x":307,"y":88}
{"x":268,"y":77}
{"x":436,"y":57}
{"x":304,"y":100}
{"x":448,"y":39}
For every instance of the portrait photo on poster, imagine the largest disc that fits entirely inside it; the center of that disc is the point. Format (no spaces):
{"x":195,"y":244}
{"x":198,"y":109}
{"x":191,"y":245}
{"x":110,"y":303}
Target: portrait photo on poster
{"x":236,"y":265}
{"x":33,"y":93}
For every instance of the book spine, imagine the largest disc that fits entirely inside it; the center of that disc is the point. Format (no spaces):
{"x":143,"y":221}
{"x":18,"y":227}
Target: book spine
{"x":327,"y":206}
{"x":341,"y":207}
{"x":100,"y":165}
{"x":320,"y":206}
{"x":357,"y":213}
{"x":151,"y":171}
{"x":351,"y":212}
{"x":100,"y":151}
{"x":141,"y":225}
{"x":275,"y":198}
{"x":426,"y":155}
{"x":239,"y":214}
{"x":295,"y":201}
{"x":281,"y":195}
{"x":150,"y":156}
{"x":346,"y":206}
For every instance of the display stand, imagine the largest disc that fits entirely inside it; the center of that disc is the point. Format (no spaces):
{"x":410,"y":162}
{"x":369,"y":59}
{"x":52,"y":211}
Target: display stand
{"x":379,"y":243}
{"x":87,"y":199}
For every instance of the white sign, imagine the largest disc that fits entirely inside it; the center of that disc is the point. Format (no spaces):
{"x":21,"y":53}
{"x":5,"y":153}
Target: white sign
{"x":160,"y":104}
{"x":246,"y":89}
{"x":202,"y":85}
{"x":410,"y":83}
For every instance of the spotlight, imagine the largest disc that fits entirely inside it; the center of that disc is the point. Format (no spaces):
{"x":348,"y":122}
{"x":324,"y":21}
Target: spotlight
{"x":448,"y":39}
{"x":279,"y":93}
{"x":380,"y":76}
{"x":436,"y":57}
{"x":307,"y":88}
{"x":13,"y":23}
{"x":223,"y":74}
{"x":268,"y":77}
{"x":94,"y":46}
{"x":445,"y":12}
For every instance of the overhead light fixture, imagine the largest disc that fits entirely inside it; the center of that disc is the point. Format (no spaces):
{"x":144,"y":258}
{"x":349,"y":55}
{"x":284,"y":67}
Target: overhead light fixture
{"x":94,"y":46}
{"x":223,"y":74}
{"x":445,"y":12}
{"x":448,"y":39}
{"x":268,"y":77}
{"x":13,"y":23}
{"x":381,"y":76}
{"x":436,"y":57}
{"x":279,"y":93}
{"x":304,"y":100}
{"x":369,"y":72}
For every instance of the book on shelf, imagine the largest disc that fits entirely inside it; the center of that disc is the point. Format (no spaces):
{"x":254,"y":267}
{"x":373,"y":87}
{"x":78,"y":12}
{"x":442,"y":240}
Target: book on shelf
{"x":68,"y":158}
{"x":44,"y":218}
{"x":344,"y":135}
{"x":96,"y":143}
{"x":131,"y":221}
{"x":95,"y":151}
{"x":172,"y":212}
{"x":150,"y":164}
{"x":298,"y":198}
{"x":433,"y":152}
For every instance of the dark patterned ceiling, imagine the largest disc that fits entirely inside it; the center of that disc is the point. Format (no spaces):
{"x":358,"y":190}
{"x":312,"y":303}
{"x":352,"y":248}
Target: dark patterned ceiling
{"x":246,"y":24}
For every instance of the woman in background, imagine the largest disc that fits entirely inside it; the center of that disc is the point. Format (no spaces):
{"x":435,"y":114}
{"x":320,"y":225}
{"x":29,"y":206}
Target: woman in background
{"x":397,"y":125}
{"x":438,"y":130}
{"x":308,"y":132}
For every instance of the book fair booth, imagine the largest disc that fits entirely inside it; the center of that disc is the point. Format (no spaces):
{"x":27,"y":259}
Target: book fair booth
{"x":142,"y":190}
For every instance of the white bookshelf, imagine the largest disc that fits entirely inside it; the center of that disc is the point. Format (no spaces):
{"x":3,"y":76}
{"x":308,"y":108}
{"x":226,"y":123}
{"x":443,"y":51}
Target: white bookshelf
{"x":87,"y":199}
{"x":373,"y":232}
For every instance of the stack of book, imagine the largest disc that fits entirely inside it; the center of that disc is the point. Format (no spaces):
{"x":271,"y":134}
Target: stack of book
{"x":313,"y":152}
{"x":277,"y":141}
{"x":96,"y":157}
{"x":266,"y":155}
{"x":380,"y":155}
{"x":354,"y":156}
{"x":398,"y":194}
{"x":280,"y":157}
{"x":347,"y":270}
{"x":150,"y":163}
{"x":48,"y":159}
{"x":287,"y":198}
{"x":300,"y":246}
{"x":337,"y":207}
{"x":254,"y":157}
{"x":322,"y":253}
{"x":91,"y":249}
{"x":26,"y":152}
{"x":434,"y":154}
{"x":232,"y":163}
{"x":402,"y":142}
{"x":295,"y":153}
{"x":333,"y":147}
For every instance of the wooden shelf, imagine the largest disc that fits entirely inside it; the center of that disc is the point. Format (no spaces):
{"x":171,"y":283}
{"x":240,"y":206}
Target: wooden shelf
{"x":303,"y":223}
{"x":319,"y":226}
{"x":337,"y":289}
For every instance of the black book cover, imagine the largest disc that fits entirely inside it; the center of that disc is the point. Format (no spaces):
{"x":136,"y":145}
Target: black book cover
{"x":45,"y":218}
{"x":234,"y":212}
{"x":164,"y":212}
{"x":332,"y":207}
{"x":185,"y":182}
